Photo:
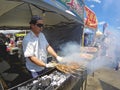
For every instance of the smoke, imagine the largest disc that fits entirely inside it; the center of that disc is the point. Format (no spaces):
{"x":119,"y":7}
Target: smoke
{"x":107,"y":55}
{"x":98,"y":63}
{"x":71,"y":53}
{"x":70,"y":48}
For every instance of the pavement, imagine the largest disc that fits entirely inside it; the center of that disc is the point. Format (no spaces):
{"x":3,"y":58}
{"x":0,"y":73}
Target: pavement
{"x":104,"y":79}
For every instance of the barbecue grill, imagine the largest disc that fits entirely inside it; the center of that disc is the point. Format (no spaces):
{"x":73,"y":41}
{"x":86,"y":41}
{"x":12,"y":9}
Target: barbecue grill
{"x":54,"y":79}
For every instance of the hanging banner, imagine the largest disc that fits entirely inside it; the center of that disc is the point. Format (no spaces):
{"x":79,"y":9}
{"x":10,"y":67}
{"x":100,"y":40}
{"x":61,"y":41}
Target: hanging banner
{"x":91,"y":19}
{"x":75,"y":6}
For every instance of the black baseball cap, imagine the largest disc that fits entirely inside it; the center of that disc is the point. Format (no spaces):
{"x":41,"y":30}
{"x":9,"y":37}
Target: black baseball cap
{"x":34,"y":19}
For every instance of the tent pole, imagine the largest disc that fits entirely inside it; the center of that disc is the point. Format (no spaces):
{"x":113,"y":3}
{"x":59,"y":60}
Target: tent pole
{"x":83,"y":38}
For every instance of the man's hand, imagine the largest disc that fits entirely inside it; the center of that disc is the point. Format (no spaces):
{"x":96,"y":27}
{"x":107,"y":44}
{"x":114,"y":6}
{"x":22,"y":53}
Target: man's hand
{"x":50,"y":65}
{"x":60,"y":59}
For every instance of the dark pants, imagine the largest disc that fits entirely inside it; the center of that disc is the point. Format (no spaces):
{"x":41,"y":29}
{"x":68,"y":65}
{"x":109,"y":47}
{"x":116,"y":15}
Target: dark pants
{"x":43,"y":71}
{"x":117,"y":63}
{"x":36,"y":74}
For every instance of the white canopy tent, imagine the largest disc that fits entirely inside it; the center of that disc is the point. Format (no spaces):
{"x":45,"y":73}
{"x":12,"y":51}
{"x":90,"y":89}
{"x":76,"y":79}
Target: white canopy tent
{"x":61,"y":25}
{"x":15,"y":14}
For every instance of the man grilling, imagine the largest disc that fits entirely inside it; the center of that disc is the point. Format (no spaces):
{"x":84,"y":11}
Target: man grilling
{"x":36,"y":48}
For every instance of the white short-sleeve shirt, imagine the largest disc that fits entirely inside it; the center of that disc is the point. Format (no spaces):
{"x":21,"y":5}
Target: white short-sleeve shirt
{"x":35,"y":46}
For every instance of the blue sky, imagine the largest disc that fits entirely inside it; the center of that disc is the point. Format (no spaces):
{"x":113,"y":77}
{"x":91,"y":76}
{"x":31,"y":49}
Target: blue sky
{"x":106,"y":11}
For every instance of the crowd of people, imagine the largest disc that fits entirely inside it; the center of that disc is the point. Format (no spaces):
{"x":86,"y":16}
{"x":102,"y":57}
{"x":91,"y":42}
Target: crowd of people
{"x":9,"y":42}
{"x":13,"y":41}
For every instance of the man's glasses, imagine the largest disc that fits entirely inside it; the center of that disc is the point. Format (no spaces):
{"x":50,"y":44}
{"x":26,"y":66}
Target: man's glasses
{"x":40,"y":25}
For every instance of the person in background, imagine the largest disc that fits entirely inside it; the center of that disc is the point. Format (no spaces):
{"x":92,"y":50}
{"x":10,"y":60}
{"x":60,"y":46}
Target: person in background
{"x":36,"y":48}
{"x":117,"y":57}
{"x":85,"y":39}
{"x":12,"y":42}
{"x":8,"y":38}
{"x":19,"y":42}
{"x":3,"y":47}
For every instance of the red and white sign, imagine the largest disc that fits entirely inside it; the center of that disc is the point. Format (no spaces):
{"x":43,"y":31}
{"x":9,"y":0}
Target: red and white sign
{"x":91,"y":19}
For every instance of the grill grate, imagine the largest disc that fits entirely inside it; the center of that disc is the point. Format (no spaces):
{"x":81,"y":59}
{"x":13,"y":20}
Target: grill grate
{"x":54,"y":80}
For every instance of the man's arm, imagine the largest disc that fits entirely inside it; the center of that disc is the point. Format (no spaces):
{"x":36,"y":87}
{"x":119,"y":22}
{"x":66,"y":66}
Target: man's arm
{"x":40,"y":62}
{"x":37,"y":61}
{"x":51,"y":51}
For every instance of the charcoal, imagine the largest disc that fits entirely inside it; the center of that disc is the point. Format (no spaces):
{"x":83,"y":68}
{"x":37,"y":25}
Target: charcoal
{"x":52,"y":81}
{"x":50,"y":88}
{"x":34,"y":87}
{"x":45,"y":82}
{"x":23,"y":88}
